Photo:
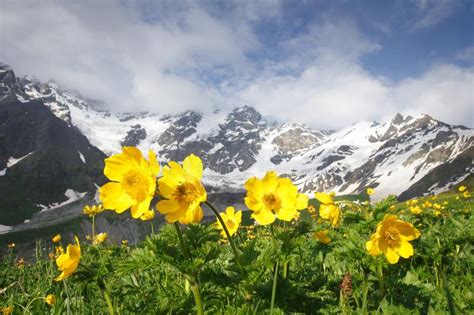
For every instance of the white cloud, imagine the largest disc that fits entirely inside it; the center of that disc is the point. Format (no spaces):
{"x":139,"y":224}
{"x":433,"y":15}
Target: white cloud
{"x":444,"y":92}
{"x":167,"y":58}
{"x":467,"y":54}
{"x":108,"y":51}
{"x":433,"y":12}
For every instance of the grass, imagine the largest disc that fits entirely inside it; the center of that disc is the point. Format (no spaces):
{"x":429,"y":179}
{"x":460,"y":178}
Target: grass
{"x":157,"y":277}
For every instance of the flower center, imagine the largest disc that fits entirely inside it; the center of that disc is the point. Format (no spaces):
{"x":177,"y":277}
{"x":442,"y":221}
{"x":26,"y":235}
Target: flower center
{"x":230,"y":224}
{"x":185,"y":193}
{"x":392,"y":236}
{"x":271,"y":201}
{"x":135,"y":184}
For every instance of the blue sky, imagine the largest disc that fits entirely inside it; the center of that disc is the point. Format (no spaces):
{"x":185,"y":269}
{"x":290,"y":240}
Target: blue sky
{"x":323,"y":63}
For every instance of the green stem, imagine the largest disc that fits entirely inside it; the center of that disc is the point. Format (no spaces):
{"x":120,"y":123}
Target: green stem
{"x":68,"y":306}
{"x":234,"y":249}
{"x":152,"y":227}
{"x":181,"y":241}
{"x":274,"y":287}
{"x":381,"y":279}
{"x":110,"y":306}
{"x":197,"y":295}
{"x":285,"y":269}
{"x":447,"y":291}
{"x":93,"y":228}
{"x":365,"y":291}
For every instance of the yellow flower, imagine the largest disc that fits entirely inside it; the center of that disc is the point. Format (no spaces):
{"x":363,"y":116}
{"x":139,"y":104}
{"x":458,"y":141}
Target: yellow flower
{"x":392,"y":238}
{"x":370,"y":191}
{"x":7,"y":310}
{"x":312,"y":210}
{"x":11,"y":245}
{"x":231,"y":219}
{"x":328,"y":209}
{"x":183,"y":188}
{"x":100,"y":238}
{"x":322,"y":236}
{"x":50,"y":299}
{"x":437,"y":213}
{"x":466,"y":194}
{"x":392,"y":208}
{"x":273,"y":197}
{"x":125,"y":242}
{"x":148,"y":215}
{"x":462,"y":188}
{"x":20,"y":263}
{"x":92,"y":210}
{"x":133,"y":181}
{"x":56,"y":238}
{"x":416,"y":210}
{"x":68,"y":262}
{"x":59,"y":250}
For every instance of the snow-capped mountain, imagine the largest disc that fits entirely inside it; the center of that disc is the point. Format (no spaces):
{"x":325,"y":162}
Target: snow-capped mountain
{"x":395,"y":157}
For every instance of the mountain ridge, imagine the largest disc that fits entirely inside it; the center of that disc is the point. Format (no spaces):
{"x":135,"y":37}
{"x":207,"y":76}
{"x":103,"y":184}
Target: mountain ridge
{"x":391,"y":156}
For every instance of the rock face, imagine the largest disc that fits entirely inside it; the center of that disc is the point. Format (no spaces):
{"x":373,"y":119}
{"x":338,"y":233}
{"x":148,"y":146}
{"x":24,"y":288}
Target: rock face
{"x":41,"y":158}
{"x":134,"y":136}
{"x":53,"y":143}
{"x":401,"y":156}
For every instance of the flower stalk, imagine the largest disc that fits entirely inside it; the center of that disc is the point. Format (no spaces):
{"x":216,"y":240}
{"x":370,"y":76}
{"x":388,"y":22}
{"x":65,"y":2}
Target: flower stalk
{"x":381,"y":278}
{"x":197,"y":294}
{"x":274,"y":286}
{"x":184,"y":247}
{"x":93,"y":228}
{"x":234,"y":248}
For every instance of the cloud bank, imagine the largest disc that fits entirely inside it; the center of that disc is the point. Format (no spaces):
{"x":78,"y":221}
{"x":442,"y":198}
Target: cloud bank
{"x":168,"y":57}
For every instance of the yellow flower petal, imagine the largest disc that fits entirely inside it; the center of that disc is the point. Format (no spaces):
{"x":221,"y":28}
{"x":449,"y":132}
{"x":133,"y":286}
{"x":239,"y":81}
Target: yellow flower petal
{"x":372,"y":246}
{"x":154,"y":166}
{"x":264,"y":217}
{"x":133,"y":153}
{"x":140,"y":208}
{"x":254,"y":188}
{"x":192,"y":165}
{"x":391,"y":255}
{"x":117,"y":165}
{"x":405,"y":250}
{"x":324,"y":198}
{"x":287,"y":214}
{"x":113,"y":197}
{"x":68,"y":262}
{"x":270,"y":182}
{"x":167,"y":206}
{"x":407,"y":230}
{"x":302,"y":201}
{"x":192,"y":216}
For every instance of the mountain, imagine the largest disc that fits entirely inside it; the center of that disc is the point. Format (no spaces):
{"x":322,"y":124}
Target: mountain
{"x":406,"y":156}
{"x":44,"y":161}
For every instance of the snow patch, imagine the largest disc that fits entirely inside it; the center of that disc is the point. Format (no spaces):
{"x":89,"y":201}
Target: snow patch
{"x":21,"y":99}
{"x":82,"y":157}
{"x":71,"y":196}
{"x":5,"y":228}
{"x":12,"y":161}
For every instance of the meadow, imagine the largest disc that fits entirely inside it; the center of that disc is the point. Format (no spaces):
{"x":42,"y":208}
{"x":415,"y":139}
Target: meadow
{"x":287,"y":255}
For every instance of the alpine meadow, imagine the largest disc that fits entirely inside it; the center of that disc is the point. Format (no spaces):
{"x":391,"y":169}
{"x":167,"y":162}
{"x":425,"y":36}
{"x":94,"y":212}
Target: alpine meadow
{"x":236,"y":157}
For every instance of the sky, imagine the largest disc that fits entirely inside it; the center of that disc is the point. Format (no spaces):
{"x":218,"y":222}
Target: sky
{"x":326,"y":64}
